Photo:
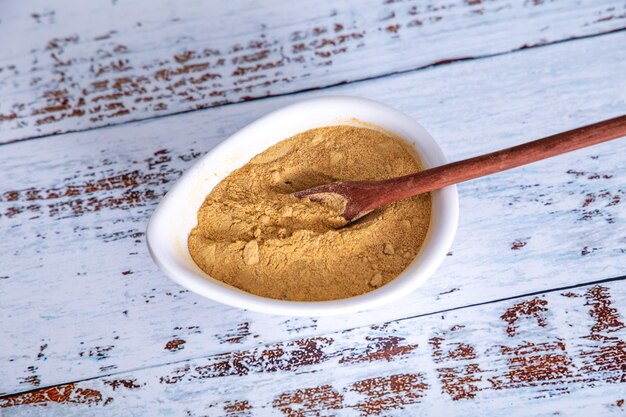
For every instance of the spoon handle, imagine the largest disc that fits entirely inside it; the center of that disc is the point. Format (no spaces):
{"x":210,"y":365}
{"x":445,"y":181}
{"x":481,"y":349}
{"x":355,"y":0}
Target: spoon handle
{"x":480,"y":166}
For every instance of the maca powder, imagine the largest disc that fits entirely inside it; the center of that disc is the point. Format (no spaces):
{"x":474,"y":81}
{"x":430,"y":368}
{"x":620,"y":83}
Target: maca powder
{"x":253,"y":234}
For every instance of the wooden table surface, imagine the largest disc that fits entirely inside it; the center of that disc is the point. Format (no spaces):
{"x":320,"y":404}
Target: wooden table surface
{"x":104,"y":103}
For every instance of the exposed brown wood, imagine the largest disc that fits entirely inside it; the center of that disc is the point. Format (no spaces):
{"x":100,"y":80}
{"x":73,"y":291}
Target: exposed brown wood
{"x":107,"y":62}
{"x":560,"y":351}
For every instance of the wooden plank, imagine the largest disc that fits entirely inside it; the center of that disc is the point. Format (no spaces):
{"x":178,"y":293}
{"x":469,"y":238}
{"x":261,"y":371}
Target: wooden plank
{"x":561,"y":352}
{"x":73,"y":66}
{"x":76,"y":273}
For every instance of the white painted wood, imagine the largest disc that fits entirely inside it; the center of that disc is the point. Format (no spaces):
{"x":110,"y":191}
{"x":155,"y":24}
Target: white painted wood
{"x":68,"y":65}
{"x":560,"y":352}
{"x":79,"y":280}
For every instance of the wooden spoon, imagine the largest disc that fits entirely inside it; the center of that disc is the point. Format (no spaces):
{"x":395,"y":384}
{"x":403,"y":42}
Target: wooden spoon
{"x":362,"y":197}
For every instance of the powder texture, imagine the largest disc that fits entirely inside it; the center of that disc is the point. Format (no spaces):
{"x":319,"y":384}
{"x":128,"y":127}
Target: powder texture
{"x":253,"y":234}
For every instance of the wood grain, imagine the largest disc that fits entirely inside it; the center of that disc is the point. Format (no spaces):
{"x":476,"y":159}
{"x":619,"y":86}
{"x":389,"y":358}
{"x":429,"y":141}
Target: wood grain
{"x":559,"y":352}
{"x":74,"y":66}
{"x":81,"y":298}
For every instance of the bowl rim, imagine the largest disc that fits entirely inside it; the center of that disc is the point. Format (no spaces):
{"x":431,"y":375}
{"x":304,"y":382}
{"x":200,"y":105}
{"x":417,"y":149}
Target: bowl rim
{"x":442,"y":226}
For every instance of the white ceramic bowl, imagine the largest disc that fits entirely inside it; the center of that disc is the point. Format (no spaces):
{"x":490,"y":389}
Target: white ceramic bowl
{"x":175,"y":216}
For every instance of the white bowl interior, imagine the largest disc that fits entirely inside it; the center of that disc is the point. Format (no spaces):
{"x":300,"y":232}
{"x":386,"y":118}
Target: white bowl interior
{"x":176,"y":215}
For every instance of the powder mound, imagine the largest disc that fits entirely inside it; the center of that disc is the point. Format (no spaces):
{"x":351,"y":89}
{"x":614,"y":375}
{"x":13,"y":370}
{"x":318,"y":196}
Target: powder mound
{"x":253,"y":234}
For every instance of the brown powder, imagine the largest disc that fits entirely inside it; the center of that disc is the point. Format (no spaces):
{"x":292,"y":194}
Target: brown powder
{"x":253,"y":234}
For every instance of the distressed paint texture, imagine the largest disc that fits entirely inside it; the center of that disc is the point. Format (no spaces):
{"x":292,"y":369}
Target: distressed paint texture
{"x":87,"y":64}
{"x":76,"y":205}
{"x":466,"y":359}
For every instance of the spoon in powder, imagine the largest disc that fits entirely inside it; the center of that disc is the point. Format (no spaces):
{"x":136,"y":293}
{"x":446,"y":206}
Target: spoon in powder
{"x":362,"y":197}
